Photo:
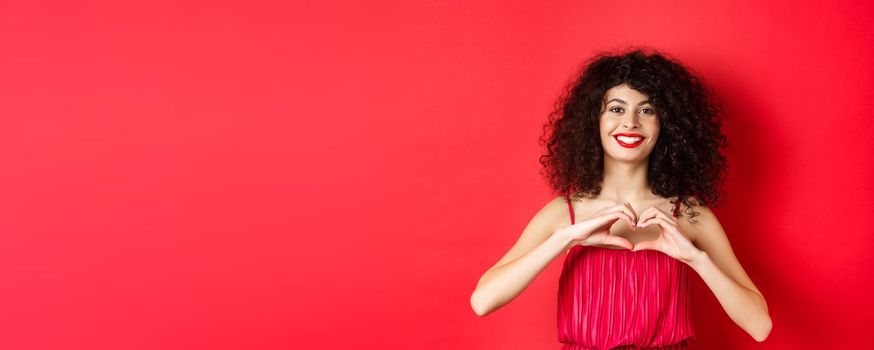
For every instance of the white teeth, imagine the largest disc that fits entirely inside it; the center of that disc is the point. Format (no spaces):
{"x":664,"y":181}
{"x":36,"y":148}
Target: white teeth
{"x":627,"y":139}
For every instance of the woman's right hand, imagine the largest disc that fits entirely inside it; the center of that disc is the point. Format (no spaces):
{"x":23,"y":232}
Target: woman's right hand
{"x":595,"y":230}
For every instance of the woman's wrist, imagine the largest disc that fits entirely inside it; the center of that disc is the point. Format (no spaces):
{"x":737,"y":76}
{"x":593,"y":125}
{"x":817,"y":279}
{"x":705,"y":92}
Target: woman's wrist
{"x":698,"y":259}
{"x":562,"y":238}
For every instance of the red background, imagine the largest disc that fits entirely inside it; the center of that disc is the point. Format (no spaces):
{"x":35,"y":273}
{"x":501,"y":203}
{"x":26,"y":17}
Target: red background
{"x":182,"y":175}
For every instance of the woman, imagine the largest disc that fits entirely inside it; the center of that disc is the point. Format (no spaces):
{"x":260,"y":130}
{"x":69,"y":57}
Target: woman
{"x":634,"y":149}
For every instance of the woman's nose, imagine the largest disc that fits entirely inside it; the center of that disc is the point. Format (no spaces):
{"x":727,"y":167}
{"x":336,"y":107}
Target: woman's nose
{"x":630,"y":122}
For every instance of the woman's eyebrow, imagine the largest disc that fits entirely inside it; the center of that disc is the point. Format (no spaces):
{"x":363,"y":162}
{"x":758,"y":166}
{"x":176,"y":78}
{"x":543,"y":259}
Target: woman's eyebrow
{"x":625,"y":103}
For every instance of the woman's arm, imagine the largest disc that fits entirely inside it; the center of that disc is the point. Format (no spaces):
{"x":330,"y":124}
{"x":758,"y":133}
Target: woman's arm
{"x":536,"y":248}
{"x":724,"y":275}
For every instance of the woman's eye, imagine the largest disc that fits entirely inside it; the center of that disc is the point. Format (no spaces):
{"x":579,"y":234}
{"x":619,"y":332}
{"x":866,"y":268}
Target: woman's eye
{"x":648,"y":111}
{"x":615,"y":109}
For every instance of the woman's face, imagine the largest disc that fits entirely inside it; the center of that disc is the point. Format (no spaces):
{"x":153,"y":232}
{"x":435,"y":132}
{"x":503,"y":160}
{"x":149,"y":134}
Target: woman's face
{"x":629,"y":124}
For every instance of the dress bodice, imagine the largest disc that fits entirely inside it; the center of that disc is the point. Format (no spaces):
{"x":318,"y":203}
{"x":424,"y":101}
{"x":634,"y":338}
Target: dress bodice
{"x":617,"y":298}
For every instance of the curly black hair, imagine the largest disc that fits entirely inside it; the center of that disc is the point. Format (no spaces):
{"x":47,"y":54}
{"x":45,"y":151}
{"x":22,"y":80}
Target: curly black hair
{"x":687,"y":160}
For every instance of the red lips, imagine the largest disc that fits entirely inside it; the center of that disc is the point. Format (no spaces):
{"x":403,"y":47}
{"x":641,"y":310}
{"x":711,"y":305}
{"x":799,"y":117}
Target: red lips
{"x":629,"y":145}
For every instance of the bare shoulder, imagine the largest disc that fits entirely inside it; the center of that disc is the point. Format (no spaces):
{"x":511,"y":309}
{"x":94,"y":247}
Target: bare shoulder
{"x":552,"y":216}
{"x":541,"y":226}
{"x":701,"y":222}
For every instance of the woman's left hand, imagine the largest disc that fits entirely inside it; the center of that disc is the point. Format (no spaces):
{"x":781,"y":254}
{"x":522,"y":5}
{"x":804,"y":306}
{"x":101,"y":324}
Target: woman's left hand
{"x":671,"y":241}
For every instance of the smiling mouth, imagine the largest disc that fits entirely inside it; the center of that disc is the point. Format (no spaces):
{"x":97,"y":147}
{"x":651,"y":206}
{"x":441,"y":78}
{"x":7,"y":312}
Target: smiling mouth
{"x":629,"y":141}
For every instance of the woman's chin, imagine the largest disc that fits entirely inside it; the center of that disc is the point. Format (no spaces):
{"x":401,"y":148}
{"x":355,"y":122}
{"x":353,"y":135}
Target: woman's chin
{"x":629,"y":158}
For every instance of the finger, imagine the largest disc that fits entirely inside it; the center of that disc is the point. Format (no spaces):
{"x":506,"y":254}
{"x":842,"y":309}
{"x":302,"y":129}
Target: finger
{"x":651,"y":220}
{"x":647,"y":222}
{"x":664,"y":224}
{"x":646,"y":245}
{"x":662,"y":214}
{"x":675,"y":235}
{"x":652,"y":215}
{"x":618,"y":241}
{"x":631,"y":222}
{"x":670,"y":223}
{"x":586,"y":227}
{"x":646,"y":215}
{"x":624,"y":215}
{"x":606,"y":239}
{"x":653,"y":212}
{"x":631,"y":209}
{"x":627,"y":209}
{"x":611,"y":217}
{"x":623,"y":207}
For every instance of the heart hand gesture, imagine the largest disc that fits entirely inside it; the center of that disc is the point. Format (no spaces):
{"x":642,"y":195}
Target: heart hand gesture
{"x":670,"y":241}
{"x":595,"y":230}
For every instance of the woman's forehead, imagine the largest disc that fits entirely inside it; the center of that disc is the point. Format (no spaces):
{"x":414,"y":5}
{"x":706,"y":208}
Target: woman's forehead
{"x":625,"y":93}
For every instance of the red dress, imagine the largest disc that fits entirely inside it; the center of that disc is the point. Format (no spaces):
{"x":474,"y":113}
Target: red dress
{"x":620,"y":299}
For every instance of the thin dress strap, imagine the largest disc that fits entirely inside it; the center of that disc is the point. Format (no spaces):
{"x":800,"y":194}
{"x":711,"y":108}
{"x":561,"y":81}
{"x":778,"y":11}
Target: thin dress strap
{"x":570,"y":208}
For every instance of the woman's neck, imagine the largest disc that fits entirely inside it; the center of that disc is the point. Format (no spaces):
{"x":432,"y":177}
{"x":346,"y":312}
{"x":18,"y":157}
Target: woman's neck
{"x":625,"y":181}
